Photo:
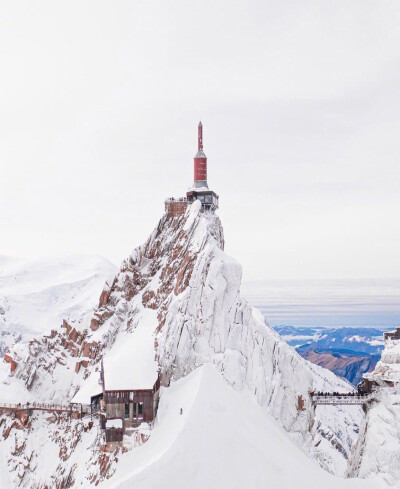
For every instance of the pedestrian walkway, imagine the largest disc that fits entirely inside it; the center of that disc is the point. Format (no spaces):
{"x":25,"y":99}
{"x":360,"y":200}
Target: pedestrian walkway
{"x":48,"y":407}
{"x":335,"y":399}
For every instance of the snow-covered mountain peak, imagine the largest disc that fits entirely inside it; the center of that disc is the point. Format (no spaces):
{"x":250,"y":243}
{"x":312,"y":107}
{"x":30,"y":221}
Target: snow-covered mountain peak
{"x":183,"y":274}
{"x":174,"y":306}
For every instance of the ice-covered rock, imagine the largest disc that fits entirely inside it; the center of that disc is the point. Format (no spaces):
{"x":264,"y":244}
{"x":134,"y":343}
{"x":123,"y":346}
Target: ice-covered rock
{"x":377,"y":451}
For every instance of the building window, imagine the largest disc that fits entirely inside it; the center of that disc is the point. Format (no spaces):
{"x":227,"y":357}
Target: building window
{"x":126,"y":410}
{"x":140,"y":409}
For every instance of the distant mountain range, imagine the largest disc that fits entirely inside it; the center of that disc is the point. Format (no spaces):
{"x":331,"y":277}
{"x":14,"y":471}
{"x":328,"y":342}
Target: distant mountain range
{"x":37,"y":294}
{"x":348,"y":352}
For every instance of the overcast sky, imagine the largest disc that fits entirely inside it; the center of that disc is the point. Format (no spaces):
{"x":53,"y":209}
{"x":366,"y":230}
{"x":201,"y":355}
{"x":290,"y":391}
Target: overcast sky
{"x":300,"y":105}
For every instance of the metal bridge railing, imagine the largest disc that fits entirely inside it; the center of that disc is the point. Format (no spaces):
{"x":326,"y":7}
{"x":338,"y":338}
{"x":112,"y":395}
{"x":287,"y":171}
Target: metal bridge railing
{"x":343,"y":399}
{"x":84,"y":408}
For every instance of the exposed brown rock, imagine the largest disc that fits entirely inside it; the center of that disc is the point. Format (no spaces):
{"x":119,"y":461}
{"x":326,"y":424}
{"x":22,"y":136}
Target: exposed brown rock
{"x":300,"y":403}
{"x":184,"y":274}
{"x":105,"y":295}
{"x":10,"y":360}
{"x":94,"y":324}
{"x":150,"y":299}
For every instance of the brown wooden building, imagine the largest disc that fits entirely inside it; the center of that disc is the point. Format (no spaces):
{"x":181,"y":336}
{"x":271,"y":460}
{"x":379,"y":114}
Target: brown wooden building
{"x":132,"y":407}
{"x":125,"y":408}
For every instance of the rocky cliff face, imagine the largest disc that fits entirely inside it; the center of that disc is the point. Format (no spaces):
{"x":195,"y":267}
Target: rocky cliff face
{"x":377,"y":451}
{"x":192,"y":287}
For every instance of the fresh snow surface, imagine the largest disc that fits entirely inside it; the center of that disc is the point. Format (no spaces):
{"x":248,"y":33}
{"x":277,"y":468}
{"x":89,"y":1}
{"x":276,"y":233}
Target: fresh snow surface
{"x":90,"y":387}
{"x":223,"y":439}
{"x":130,"y":364}
{"x":36,"y":295}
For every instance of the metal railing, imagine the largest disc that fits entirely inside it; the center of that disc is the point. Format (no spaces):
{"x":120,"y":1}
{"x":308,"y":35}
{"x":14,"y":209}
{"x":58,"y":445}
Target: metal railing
{"x":176,"y":199}
{"x":343,"y":399}
{"x":81,"y":408}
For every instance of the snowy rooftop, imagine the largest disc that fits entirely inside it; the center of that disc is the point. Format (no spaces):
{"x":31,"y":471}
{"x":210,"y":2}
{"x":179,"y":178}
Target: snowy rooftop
{"x":130,"y":364}
{"x":90,"y":387}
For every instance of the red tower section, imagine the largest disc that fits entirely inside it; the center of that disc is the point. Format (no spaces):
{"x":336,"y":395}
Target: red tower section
{"x":200,"y":161}
{"x":199,"y":190}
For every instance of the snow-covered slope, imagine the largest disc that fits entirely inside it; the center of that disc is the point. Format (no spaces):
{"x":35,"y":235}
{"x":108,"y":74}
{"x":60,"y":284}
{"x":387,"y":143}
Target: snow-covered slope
{"x":35,"y":295}
{"x":180,"y":293}
{"x":223,"y":439}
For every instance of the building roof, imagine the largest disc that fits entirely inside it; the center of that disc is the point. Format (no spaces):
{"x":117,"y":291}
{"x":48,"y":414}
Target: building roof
{"x":89,"y":388}
{"x":131,"y":364}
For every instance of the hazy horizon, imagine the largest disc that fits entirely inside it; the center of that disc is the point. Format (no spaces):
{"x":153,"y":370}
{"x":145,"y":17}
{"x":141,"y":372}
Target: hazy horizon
{"x":327,"y":303}
{"x":313,"y":302}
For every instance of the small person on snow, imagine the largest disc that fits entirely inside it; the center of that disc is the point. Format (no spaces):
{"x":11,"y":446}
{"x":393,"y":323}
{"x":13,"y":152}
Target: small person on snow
{"x":181,"y":411}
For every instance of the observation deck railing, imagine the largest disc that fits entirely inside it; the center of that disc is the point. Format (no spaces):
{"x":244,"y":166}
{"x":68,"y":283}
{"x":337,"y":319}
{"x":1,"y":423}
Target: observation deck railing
{"x":176,"y":199}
